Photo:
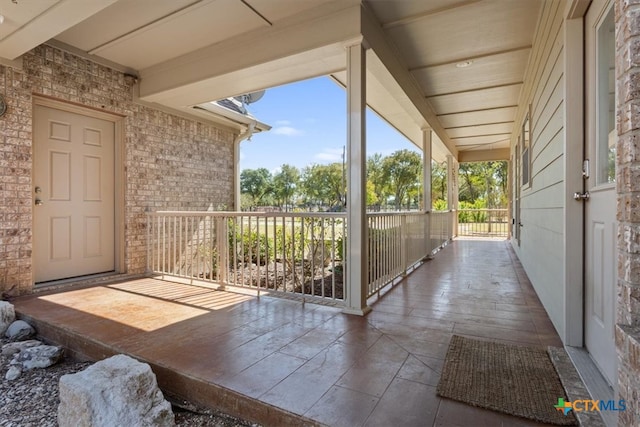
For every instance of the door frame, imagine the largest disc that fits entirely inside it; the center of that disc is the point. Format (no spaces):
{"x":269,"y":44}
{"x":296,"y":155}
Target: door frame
{"x":118,"y":173}
{"x":574,"y":125}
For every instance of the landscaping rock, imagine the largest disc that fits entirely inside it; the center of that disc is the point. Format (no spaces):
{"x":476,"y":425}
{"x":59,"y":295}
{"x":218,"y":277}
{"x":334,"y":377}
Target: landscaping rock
{"x":13,"y":373}
{"x":41,"y":356}
{"x":15,"y":347}
{"x":7,"y":315}
{"x":118,"y":391}
{"x":20,"y":331}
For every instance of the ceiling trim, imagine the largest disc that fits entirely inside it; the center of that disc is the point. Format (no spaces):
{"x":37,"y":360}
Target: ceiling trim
{"x":419,"y":16}
{"x":471,"y":58}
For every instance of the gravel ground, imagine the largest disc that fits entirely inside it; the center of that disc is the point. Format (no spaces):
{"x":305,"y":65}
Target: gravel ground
{"x":32,"y":400}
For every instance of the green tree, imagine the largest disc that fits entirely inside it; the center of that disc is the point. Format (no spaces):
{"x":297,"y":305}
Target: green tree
{"x":285,"y":185}
{"x":484,"y":181}
{"x":323,"y":184}
{"x":438,"y":184}
{"x":376,"y":183}
{"x":402,"y":171}
{"x":256,"y":183}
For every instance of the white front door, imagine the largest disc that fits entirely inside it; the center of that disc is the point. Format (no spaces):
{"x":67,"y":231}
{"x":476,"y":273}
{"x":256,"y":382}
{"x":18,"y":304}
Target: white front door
{"x":600,"y":210}
{"x":73,"y":194}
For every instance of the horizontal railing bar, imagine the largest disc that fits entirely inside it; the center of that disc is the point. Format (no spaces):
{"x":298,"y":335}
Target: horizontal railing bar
{"x":251,"y":214}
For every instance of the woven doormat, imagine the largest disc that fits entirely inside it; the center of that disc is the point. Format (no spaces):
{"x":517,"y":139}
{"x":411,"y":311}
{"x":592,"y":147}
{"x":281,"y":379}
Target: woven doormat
{"x":512,"y":379}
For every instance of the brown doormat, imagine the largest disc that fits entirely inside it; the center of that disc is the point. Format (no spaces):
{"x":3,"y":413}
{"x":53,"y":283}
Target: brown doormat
{"x":512,"y":379}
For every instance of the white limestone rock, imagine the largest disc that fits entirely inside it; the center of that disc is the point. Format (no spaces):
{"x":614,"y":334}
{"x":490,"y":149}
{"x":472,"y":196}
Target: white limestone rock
{"x":12,"y":348}
{"x":13,"y":373}
{"x":118,"y":391}
{"x":41,"y":356}
{"x":20,"y":331}
{"x":7,"y":315}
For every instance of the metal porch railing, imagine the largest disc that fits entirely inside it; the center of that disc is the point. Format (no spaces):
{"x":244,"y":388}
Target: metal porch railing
{"x":483,"y":222}
{"x":301,"y":254}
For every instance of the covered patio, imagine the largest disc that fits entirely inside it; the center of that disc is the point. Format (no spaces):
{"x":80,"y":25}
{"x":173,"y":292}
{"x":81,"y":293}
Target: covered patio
{"x":280,"y":362}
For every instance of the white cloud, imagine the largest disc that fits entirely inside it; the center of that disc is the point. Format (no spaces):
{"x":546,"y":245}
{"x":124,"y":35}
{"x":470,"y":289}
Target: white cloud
{"x":283,"y":122}
{"x":330,"y":155}
{"x":287,"y":131}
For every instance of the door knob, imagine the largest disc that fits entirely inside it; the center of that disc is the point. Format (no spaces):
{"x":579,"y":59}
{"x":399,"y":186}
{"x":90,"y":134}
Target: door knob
{"x":38,"y":190}
{"x":581,"y":196}
{"x":38,"y":202}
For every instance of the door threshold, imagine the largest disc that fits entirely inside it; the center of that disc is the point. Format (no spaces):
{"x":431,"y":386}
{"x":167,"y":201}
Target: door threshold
{"x":594,"y":381}
{"x":82,"y":281}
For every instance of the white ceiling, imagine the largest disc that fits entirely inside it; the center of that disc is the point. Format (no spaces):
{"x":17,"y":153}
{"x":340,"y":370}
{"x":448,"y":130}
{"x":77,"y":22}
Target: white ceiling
{"x":187,"y":52}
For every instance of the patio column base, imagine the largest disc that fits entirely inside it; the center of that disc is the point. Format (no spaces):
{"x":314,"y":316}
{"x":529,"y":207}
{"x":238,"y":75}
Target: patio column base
{"x":357,"y":311}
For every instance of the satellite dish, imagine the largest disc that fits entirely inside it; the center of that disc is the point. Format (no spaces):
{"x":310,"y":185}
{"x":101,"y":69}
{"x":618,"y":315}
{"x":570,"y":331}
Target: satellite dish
{"x":250,"y":98}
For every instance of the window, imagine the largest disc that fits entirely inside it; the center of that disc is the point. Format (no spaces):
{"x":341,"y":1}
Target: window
{"x":606,"y":100}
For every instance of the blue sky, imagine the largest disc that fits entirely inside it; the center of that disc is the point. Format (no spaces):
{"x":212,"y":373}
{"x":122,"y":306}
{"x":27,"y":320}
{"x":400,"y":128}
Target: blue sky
{"x":308,"y":122}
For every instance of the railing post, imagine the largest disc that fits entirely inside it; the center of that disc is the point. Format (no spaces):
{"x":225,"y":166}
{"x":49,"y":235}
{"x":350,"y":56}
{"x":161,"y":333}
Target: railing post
{"x":404,"y":243}
{"x":148,"y":270}
{"x":222,"y":249}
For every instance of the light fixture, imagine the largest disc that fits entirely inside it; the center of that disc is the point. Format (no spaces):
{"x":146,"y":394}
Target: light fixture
{"x":464,"y":64}
{"x":1,"y":19}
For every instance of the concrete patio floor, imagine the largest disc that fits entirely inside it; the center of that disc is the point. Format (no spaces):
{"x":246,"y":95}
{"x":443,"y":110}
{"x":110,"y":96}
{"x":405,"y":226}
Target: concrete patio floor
{"x":279,"y":362}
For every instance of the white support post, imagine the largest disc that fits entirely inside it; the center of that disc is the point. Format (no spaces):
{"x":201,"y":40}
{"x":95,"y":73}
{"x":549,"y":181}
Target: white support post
{"x":452,"y":194}
{"x":357,"y":255}
{"x":426,"y":189}
{"x":426,"y":170}
{"x":449,"y":182}
{"x":455,"y":195}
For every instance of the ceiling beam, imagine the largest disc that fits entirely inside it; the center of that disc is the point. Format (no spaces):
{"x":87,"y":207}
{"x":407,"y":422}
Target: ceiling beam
{"x":484,"y":155}
{"x":375,"y":37}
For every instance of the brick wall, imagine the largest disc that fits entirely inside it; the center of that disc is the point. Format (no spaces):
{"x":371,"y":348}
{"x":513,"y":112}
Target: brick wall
{"x":170,"y":162}
{"x":628,"y":186}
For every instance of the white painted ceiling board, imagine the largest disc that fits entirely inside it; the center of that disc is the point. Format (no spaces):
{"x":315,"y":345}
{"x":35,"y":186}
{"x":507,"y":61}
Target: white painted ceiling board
{"x":481,"y":140}
{"x":460,"y":33}
{"x":497,"y":115}
{"x":17,"y":15}
{"x":188,"y":30}
{"x":502,"y":128}
{"x":499,"y":145}
{"x":477,"y":100}
{"x":119,"y":19}
{"x":274,"y":11}
{"x":494,"y":70}
{"x":389,"y":12}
